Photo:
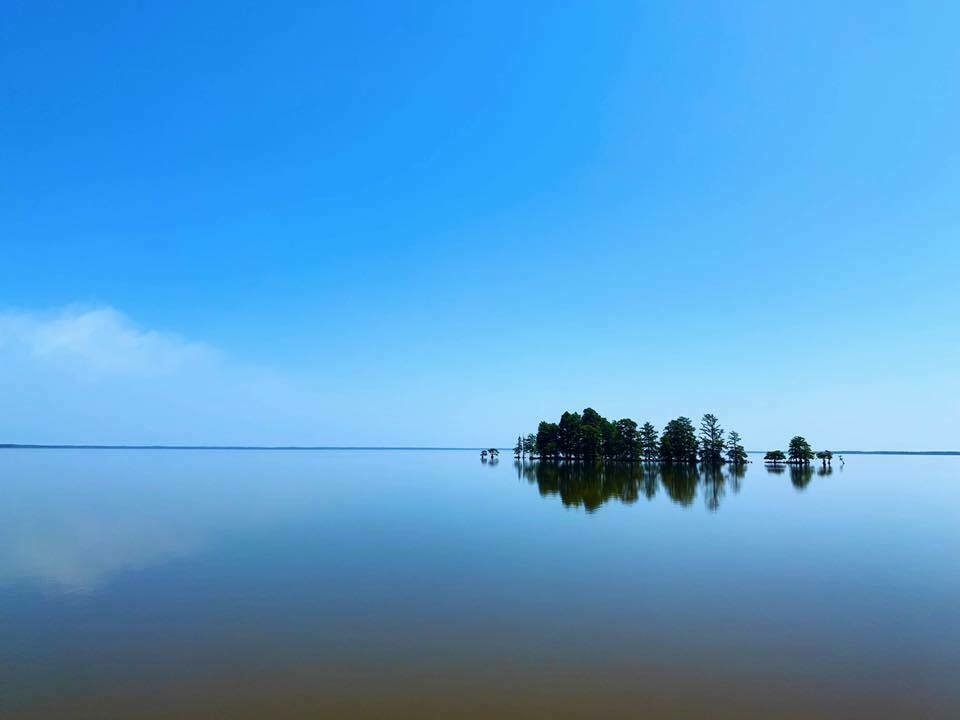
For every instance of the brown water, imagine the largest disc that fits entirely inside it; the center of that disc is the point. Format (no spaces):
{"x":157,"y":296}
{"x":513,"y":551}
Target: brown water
{"x":213,"y":584}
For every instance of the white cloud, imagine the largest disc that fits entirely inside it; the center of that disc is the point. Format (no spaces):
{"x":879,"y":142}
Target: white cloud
{"x":90,"y":375}
{"x":99,"y":340}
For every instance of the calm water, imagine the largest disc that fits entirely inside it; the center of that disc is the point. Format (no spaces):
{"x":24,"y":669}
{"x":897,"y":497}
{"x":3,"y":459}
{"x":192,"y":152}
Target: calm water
{"x":182,"y":584}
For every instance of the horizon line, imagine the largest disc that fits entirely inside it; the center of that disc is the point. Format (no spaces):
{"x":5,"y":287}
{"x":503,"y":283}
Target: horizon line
{"x":98,"y":446}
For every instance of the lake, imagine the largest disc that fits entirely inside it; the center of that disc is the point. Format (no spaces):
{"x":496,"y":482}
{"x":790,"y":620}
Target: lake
{"x":408,"y":584}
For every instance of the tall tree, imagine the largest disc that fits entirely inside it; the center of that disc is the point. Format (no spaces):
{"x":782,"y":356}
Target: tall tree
{"x":711,"y":440}
{"x":518,"y":448}
{"x":736,"y":453}
{"x":568,"y":436}
{"x":649,"y":442}
{"x":800,"y":450}
{"x":591,"y":442}
{"x":547,"y":439}
{"x":627,"y":440}
{"x":678,"y":443}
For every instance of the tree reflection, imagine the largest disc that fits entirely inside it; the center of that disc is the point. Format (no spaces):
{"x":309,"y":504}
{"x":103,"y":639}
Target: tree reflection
{"x":800,"y":476}
{"x":736,"y":473}
{"x":713,"y":482}
{"x":591,"y":485}
{"x":588,"y":485}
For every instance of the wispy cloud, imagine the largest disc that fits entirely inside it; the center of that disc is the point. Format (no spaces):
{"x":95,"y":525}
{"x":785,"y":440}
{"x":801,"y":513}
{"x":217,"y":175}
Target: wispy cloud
{"x":99,"y":340}
{"x":92,"y":375}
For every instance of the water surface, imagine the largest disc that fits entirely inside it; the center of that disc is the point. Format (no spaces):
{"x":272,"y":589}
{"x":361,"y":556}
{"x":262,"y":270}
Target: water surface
{"x":198,"y":584}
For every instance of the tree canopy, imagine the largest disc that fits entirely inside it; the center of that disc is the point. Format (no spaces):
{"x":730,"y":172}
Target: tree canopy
{"x":800,"y":450}
{"x":775,"y":456}
{"x":588,"y":436}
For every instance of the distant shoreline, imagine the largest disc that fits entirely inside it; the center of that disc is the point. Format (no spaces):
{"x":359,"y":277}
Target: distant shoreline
{"x":32,"y":446}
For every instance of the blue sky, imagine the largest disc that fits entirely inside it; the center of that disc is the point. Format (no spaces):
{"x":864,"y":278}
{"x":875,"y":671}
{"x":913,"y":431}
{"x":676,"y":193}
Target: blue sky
{"x":436,"y":224}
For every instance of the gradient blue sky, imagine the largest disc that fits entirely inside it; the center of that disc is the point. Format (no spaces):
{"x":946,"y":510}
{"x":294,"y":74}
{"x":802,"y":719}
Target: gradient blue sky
{"x":438,"y":223}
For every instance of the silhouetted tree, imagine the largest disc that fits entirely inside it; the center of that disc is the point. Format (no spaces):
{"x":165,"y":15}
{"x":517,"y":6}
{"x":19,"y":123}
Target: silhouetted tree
{"x":547,"y":439}
{"x":736,"y":453}
{"x":591,"y":442}
{"x":678,"y":443}
{"x":649,"y":442}
{"x":569,"y":435}
{"x":799,"y":450}
{"x":711,"y":440}
{"x":518,"y":448}
{"x":530,"y":444}
{"x":626,"y":444}
{"x":775,"y":456}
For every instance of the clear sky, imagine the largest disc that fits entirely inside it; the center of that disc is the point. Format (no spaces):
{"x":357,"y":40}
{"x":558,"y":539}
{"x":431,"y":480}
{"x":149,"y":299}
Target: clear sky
{"x":437,"y":223}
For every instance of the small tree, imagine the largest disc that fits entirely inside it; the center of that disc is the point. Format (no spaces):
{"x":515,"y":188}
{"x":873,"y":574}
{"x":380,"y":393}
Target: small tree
{"x":530,"y":444}
{"x":774,"y":456}
{"x":800,"y":451}
{"x":735,"y":451}
{"x":825,"y":456}
{"x":518,"y":448}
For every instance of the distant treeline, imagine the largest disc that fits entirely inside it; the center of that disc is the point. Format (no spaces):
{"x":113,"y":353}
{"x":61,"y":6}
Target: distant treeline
{"x":588,"y":436}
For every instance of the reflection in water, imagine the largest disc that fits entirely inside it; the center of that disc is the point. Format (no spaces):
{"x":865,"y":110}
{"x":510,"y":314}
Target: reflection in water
{"x":591,"y":485}
{"x":800,"y":476}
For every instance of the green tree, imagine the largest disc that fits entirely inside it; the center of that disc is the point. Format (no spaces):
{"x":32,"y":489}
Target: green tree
{"x":711,"y":440}
{"x":678,"y":443}
{"x":547,"y":439}
{"x":610,"y":445}
{"x":775,"y":456}
{"x":649,"y":442}
{"x":627,"y":440}
{"x":530,"y":444}
{"x":568,"y":435}
{"x":736,"y":453}
{"x":591,"y":442}
{"x":800,"y":450}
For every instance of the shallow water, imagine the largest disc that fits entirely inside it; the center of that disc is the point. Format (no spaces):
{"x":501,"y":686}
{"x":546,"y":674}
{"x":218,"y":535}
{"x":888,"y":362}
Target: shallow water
{"x":250,"y":584}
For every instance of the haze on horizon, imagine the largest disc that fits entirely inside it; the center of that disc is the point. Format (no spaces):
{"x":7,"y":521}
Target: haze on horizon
{"x":436,"y":225}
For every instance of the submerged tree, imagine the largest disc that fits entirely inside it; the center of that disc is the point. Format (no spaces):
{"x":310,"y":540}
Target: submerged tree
{"x":800,"y":451}
{"x":678,"y":443}
{"x":591,"y":442}
{"x":569,"y":435}
{"x":711,"y":440}
{"x":775,"y":456}
{"x":736,"y":453}
{"x":825,"y":456}
{"x":626,"y":440}
{"x":547,"y":440}
{"x":649,"y":442}
{"x":530,"y":444}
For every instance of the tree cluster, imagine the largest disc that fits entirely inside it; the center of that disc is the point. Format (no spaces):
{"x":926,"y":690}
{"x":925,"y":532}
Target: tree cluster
{"x":798,"y":452}
{"x":588,"y":436}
